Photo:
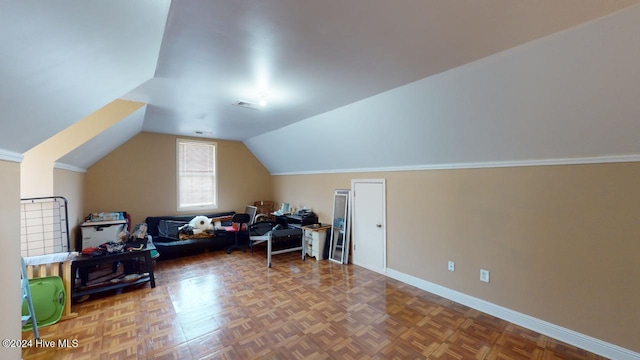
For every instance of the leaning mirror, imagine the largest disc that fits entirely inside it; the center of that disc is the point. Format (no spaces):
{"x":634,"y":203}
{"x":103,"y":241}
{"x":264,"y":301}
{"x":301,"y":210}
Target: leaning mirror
{"x":339,"y":245}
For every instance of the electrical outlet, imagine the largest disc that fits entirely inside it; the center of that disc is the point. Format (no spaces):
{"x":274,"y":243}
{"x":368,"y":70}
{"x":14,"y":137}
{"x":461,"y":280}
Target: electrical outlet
{"x":484,"y":275}
{"x":452,"y":266}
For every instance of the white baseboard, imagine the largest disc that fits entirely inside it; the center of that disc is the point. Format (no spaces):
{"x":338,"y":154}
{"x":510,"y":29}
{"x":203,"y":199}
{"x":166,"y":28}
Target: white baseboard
{"x":582,"y":341}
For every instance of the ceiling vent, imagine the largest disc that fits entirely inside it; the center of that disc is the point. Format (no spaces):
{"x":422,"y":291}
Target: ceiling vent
{"x":201,"y":132}
{"x":246,"y":104}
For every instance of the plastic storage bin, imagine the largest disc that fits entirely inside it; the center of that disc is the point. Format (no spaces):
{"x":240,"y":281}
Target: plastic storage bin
{"x":48,"y":296}
{"x":95,"y":233}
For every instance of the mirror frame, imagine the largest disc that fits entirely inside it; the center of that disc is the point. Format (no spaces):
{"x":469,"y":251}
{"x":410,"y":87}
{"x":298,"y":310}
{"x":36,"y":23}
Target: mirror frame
{"x":344,"y":229}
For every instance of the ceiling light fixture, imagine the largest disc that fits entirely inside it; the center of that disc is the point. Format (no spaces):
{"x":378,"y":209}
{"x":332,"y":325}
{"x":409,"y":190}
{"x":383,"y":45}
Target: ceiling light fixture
{"x":257,"y":99}
{"x":262,"y":99}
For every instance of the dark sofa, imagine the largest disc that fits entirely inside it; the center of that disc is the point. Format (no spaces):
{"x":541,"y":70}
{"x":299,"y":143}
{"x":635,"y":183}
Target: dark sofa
{"x":164,"y":233}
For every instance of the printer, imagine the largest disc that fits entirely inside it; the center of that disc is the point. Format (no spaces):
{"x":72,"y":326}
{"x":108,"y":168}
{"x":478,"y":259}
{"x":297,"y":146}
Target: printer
{"x":298,"y":219}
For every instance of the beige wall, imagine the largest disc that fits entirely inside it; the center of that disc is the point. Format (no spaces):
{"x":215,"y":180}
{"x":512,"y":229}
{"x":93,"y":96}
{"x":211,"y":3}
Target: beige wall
{"x":70,"y":185}
{"x":561,"y":242}
{"x":10,"y":264}
{"x":140,"y":177}
{"x":312,"y":191}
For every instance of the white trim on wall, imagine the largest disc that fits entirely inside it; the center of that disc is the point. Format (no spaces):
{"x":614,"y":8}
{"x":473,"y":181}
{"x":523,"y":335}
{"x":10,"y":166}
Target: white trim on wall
{"x":69,"y":167}
{"x":574,"y":338}
{"x":478,"y":165}
{"x":10,"y":156}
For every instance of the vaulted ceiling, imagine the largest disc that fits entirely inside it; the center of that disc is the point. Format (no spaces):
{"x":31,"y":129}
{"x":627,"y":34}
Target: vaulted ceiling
{"x":323,"y":67}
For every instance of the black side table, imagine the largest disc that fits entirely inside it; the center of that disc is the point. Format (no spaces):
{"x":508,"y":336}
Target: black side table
{"x":84,"y":261}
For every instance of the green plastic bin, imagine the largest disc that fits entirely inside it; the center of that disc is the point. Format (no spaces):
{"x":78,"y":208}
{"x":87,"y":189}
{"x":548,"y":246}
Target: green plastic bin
{"x":48,"y":297}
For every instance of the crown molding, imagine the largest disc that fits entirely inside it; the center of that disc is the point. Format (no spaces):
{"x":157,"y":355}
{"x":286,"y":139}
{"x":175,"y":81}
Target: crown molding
{"x":63,"y":166}
{"x":10,"y":156}
{"x":480,"y":165}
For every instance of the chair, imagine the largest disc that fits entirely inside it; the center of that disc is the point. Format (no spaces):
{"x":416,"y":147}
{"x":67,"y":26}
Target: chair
{"x":238,"y":222}
{"x":26,"y":297}
{"x":44,"y":300}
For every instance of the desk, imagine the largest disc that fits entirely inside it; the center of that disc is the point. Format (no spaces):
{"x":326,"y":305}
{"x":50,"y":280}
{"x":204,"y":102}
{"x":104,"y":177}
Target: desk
{"x":84,"y":261}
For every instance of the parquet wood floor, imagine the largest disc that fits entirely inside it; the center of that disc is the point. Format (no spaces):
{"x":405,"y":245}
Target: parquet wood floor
{"x":231,"y":306}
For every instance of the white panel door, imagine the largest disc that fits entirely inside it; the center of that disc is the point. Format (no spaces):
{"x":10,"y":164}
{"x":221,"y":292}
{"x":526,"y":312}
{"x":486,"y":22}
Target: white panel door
{"x":369,"y":225}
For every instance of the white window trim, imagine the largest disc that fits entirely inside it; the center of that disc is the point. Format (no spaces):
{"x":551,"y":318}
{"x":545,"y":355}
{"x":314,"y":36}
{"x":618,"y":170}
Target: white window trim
{"x":215,"y":183}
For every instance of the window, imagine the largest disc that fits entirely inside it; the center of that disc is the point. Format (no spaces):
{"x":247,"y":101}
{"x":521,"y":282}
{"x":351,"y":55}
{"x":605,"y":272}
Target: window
{"x":197,"y":182}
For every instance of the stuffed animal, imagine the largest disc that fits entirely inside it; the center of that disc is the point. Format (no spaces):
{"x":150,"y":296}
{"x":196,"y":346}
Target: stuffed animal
{"x":123,"y":236}
{"x":200,"y":224}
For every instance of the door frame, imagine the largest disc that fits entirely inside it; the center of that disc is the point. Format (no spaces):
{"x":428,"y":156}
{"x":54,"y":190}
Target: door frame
{"x":354,"y":237}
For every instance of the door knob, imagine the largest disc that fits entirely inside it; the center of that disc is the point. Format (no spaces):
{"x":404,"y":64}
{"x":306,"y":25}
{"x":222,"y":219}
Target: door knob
{"x":378,"y":225}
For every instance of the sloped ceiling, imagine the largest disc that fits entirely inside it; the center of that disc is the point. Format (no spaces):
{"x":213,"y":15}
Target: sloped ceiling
{"x":571,"y":97}
{"x":369,"y":70}
{"x":90,"y":152}
{"x":315,"y":56}
{"x":63,"y":60}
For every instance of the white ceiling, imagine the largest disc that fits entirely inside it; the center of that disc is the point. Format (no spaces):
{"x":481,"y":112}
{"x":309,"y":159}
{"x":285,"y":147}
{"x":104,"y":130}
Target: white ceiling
{"x":102,"y":144}
{"x":62,"y":60}
{"x":189,"y":60}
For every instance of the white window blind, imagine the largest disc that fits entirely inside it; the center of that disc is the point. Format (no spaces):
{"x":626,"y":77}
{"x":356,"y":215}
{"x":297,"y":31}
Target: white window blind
{"x":196,"y":175}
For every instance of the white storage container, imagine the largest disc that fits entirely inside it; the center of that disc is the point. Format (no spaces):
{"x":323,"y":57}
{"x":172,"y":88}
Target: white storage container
{"x":95,"y":233}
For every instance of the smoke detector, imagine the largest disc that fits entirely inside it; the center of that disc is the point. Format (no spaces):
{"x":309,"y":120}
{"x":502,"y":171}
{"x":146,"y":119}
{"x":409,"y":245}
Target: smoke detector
{"x":246,"y":104}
